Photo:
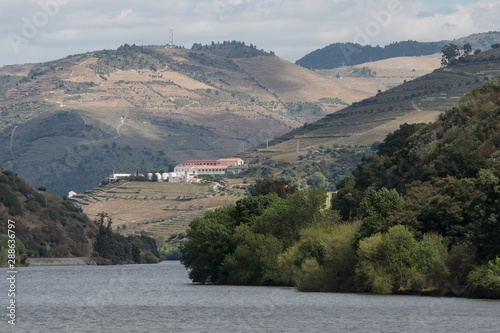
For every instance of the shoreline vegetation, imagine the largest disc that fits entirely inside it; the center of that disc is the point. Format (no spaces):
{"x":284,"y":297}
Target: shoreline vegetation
{"x":48,"y":226}
{"x":420,"y":218}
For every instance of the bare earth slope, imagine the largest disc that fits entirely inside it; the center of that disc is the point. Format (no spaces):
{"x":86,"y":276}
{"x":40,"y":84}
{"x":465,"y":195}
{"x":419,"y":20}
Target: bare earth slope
{"x":417,"y":101}
{"x":67,"y":124}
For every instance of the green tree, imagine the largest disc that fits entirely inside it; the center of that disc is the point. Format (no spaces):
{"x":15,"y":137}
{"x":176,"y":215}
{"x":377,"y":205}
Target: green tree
{"x":318,"y":180}
{"x":324,"y":258}
{"x":450,"y":51}
{"x":210,"y":240}
{"x":281,"y":187}
{"x":375,"y":209}
{"x":255,"y":259}
{"x":484,"y":281}
{"x":429,"y":258}
{"x":286,"y":218}
{"x":103,"y":240}
{"x":385,"y":261}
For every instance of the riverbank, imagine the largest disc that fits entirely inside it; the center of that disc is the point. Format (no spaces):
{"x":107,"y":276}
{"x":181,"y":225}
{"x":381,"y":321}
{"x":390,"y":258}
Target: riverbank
{"x":81,"y":261}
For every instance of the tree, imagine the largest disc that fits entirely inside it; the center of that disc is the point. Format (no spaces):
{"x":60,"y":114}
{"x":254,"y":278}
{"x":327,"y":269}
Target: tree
{"x":103,"y":240}
{"x":385,"y":261}
{"x":286,"y":218}
{"x":375,"y":209}
{"x":210,"y":240}
{"x":467,"y":49}
{"x":281,"y":187}
{"x":319,"y":180}
{"x":450,"y":51}
{"x":254,"y":260}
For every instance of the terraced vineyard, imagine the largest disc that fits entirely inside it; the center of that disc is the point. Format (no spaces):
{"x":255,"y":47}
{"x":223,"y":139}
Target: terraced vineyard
{"x":158,"y":209}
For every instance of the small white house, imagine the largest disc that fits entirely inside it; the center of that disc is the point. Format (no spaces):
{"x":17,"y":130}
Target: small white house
{"x":71,"y":194}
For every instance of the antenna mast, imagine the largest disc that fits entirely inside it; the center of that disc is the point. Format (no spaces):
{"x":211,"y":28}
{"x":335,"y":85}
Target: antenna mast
{"x":171,"y":43}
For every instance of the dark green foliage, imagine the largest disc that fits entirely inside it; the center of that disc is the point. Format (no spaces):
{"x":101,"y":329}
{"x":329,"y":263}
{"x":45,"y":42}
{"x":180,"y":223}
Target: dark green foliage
{"x":113,"y":248}
{"x":248,"y":209}
{"x":397,"y":140}
{"x":210,"y":240}
{"x":349,"y":54}
{"x":230,"y":49}
{"x":281,"y":187}
{"x":57,"y":227}
{"x":484,"y":281}
{"x":8,"y":197}
{"x":240,"y":244}
{"x":375,"y":209}
{"x":449,"y":177}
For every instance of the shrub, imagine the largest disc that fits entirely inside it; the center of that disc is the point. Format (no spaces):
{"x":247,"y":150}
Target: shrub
{"x":484,"y":281}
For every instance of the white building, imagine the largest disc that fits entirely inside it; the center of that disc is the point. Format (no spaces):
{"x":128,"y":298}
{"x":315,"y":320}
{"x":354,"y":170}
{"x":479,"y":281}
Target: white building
{"x":192,"y":168}
{"x":117,"y":176}
{"x":201,"y":170}
{"x":219,"y":162}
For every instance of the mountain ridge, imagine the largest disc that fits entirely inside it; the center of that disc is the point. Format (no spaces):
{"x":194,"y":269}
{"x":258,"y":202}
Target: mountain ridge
{"x":147,"y":107}
{"x":340,"y":54}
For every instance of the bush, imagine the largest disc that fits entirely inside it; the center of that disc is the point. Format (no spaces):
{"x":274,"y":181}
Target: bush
{"x":385,"y":261}
{"x":150,"y":258}
{"x":3,"y":178}
{"x":484,"y":281}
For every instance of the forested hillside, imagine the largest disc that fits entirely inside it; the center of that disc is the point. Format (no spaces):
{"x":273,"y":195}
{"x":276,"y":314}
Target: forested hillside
{"x":49,"y":226}
{"x":349,"y":54}
{"x":422,"y":217}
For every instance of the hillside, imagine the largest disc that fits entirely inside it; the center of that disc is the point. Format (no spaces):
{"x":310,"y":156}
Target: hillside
{"x":447,"y":174}
{"x":349,"y":133}
{"x":420,"y":218}
{"x":145,"y":107}
{"x":384,"y":74}
{"x":47,"y":225}
{"x":350,"y":54}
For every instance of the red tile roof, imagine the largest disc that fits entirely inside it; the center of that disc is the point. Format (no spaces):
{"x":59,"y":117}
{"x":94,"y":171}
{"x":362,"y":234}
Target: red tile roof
{"x":201,"y":167}
{"x":200,"y":161}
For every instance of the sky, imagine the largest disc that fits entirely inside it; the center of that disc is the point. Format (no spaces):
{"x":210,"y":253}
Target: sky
{"x":44,"y":30}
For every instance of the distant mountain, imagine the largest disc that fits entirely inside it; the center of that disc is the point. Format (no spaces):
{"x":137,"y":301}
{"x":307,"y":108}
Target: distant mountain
{"x":364,"y":123}
{"x":349,"y":54}
{"x":67,"y":124}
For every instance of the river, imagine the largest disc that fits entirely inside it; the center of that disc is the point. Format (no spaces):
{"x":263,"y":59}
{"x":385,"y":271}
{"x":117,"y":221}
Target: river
{"x":161,"y":298}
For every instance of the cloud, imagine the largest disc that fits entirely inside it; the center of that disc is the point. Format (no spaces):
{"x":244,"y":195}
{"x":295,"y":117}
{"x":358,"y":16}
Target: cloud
{"x":290,"y":28}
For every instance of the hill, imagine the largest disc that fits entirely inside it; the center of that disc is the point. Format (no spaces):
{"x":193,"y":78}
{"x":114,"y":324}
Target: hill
{"x":447,"y":174}
{"x":420,"y":218}
{"x":67,"y":124}
{"x":350,"y":54}
{"x":382,"y":74}
{"x":47,"y":225}
{"x":353,"y":130}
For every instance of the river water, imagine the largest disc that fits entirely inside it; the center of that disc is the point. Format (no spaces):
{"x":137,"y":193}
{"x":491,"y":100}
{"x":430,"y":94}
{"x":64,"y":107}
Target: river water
{"x":161,"y":298}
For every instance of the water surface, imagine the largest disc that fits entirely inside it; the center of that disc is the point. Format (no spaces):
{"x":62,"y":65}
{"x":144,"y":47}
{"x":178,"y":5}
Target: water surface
{"x":161,"y":298}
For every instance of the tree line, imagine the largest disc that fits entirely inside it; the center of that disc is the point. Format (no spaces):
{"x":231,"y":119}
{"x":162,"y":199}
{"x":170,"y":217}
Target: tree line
{"x":421,"y":217}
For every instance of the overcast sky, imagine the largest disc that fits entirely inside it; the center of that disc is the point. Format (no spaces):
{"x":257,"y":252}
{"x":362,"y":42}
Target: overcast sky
{"x":42,"y":30}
